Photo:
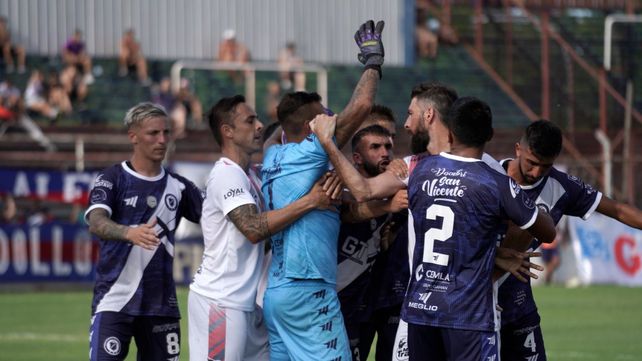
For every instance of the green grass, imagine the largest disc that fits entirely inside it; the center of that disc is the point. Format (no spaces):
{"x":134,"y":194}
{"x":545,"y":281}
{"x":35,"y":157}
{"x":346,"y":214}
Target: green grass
{"x":594,"y":323}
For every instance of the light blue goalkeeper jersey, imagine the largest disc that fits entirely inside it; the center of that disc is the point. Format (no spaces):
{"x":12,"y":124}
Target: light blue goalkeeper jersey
{"x":307,"y":249}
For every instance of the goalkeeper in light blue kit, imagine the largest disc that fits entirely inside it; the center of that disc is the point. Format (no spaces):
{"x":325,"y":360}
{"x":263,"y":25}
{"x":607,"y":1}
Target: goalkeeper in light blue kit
{"x":301,"y":307}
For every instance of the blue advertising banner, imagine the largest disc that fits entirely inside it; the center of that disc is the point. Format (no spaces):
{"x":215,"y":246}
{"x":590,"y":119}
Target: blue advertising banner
{"x":51,"y":185}
{"x":59,"y":252}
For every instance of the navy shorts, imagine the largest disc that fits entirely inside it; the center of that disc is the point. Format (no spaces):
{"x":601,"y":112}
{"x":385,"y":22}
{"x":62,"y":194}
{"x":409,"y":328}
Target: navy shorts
{"x":427,"y":343}
{"x":384,"y":323}
{"x":157,"y":338}
{"x":522,"y":339}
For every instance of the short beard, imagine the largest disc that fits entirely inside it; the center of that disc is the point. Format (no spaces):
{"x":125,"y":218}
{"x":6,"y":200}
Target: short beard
{"x":419,"y":142}
{"x":371,"y":169}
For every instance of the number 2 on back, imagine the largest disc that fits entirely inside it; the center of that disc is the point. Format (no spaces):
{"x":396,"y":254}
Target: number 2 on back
{"x":438,"y":234}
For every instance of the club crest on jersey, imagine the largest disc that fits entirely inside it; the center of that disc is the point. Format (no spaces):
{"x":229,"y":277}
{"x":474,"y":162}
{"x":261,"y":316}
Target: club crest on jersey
{"x":151,"y":202}
{"x":98,"y":196}
{"x":100,"y":182}
{"x":171,"y":202}
{"x":112,"y":346}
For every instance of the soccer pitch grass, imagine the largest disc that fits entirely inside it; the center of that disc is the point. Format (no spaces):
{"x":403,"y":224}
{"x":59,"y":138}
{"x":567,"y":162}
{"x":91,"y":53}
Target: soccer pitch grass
{"x":593,"y":323}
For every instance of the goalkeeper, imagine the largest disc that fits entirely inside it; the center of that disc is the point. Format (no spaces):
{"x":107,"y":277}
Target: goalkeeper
{"x":301,"y":307}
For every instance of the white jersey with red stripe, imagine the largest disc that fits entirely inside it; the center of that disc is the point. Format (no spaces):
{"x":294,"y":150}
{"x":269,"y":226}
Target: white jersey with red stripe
{"x":231,"y":266}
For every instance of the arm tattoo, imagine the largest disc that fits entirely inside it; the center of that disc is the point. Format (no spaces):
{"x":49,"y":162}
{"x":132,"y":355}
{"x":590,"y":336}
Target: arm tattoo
{"x":102,"y":226}
{"x":250,"y":222}
{"x":358,"y":108}
{"x":367,"y":87}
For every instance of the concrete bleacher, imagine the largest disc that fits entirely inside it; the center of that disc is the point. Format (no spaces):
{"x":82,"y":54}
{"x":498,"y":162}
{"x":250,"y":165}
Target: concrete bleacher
{"x":97,"y":121}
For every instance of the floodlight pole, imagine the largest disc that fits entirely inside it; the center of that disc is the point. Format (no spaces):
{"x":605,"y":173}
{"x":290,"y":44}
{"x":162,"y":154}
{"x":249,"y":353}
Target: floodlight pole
{"x":627,"y":176}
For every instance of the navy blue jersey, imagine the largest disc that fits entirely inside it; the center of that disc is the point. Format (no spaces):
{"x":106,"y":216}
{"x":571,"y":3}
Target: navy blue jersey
{"x":561,"y":194}
{"x":130,"y":279}
{"x":459,"y":207}
{"x":391,"y":270}
{"x":358,"y":246}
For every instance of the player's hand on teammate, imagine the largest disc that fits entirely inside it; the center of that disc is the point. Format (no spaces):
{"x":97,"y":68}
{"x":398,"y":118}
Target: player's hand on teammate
{"x":517,"y":263}
{"x":388,"y":234}
{"x":368,"y":38}
{"x":399,"y":201}
{"x":323,"y":126}
{"x":333,"y":186}
{"x":144,"y":235}
{"x":399,"y":168}
{"x":322,"y":197}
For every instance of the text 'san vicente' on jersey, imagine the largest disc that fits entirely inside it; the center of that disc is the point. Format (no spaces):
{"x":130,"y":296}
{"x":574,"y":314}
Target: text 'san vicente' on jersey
{"x":459,"y":207}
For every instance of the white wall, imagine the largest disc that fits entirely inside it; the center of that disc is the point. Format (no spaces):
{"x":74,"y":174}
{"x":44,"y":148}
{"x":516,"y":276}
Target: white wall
{"x":191,"y":29}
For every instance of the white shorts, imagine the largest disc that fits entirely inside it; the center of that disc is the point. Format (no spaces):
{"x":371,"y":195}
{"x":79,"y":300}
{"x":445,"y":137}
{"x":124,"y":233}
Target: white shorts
{"x":217,"y":333}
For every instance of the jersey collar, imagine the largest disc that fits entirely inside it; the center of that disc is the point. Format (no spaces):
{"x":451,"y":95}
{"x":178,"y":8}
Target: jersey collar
{"x":459,"y":158}
{"x":140,"y":176}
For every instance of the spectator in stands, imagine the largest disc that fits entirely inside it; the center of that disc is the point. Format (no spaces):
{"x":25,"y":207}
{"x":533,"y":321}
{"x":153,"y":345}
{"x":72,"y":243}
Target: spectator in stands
{"x":46,"y":102}
{"x":180,"y":106}
{"x":9,"y":49}
{"x":75,"y":53}
{"x":427,"y":42}
{"x":12,"y":113}
{"x":272,"y":99}
{"x":73,"y":83}
{"x":190,"y":102}
{"x":288,"y":59}
{"x":232,"y":50}
{"x":131,"y":58}
{"x":38,"y":214}
{"x":7,"y":208}
{"x":10,"y":101}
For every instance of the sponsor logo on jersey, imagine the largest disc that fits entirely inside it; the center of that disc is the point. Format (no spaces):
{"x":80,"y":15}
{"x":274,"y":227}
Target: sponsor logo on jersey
{"x":439,"y":172}
{"x":151,"y":201}
{"x":423,"y":297}
{"x":100,"y":182}
{"x":98,"y":196}
{"x":402,"y":353}
{"x":131,"y":201}
{"x":491,"y":340}
{"x":112,"y":346}
{"x":171,"y":202}
{"x":420,"y":274}
{"x":165,"y":327}
{"x":528,"y":201}
{"x":575,"y":179}
{"x":354,"y":249}
{"x":444,"y":187}
{"x":532,"y":358}
{"x":515,"y":189}
{"x":231,"y":193}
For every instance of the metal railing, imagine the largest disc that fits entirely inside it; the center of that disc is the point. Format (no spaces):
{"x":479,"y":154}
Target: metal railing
{"x":249,"y":70}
